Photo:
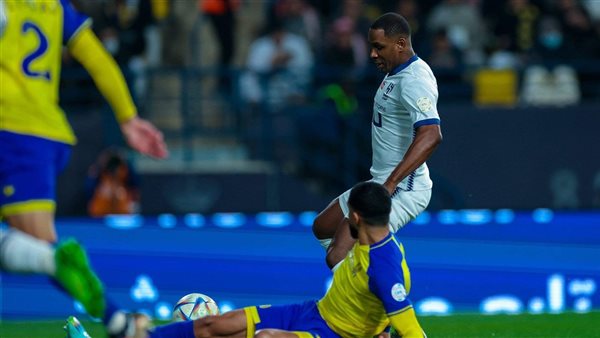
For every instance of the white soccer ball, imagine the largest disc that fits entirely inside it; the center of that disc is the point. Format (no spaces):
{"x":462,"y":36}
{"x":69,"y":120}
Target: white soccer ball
{"x":194,"y":306}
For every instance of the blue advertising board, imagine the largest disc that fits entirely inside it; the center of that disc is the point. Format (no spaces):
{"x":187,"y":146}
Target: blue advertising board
{"x":488,"y":261}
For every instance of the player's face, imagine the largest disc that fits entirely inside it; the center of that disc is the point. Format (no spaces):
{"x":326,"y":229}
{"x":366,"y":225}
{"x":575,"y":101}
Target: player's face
{"x":385,"y":50}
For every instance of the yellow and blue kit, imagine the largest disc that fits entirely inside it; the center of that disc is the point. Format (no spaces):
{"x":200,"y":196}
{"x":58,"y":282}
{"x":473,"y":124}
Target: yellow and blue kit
{"x":368,"y":293}
{"x":35,"y":135}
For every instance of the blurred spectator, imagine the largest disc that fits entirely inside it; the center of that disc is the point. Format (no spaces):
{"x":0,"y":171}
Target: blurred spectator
{"x":550,"y":43}
{"x":463,"y":25}
{"x":345,"y":49}
{"x":442,"y":54}
{"x":279,"y":69}
{"x":411,"y":11}
{"x":222,"y":19}
{"x":127,"y":28}
{"x":357,"y":11}
{"x":112,"y":185}
{"x":299,"y":17}
{"x":578,"y":28}
{"x":515,"y":30}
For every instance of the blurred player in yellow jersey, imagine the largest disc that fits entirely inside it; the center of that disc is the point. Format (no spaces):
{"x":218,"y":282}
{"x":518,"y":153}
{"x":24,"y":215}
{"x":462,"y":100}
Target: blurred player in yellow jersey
{"x":36,"y":138}
{"x":369,"y":290}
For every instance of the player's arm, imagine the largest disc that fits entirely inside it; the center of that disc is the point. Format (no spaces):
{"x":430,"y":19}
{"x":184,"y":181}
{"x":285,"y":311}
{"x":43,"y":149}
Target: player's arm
{"x":406,"y":325}
{"x":140,"y":134}
{"x":427,"y":138}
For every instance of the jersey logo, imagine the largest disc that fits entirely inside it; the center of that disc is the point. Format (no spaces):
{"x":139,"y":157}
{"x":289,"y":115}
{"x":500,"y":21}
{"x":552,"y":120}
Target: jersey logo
{"x":424,"y":104}
{"x":389,"y":88}
{"x":398,"y":292}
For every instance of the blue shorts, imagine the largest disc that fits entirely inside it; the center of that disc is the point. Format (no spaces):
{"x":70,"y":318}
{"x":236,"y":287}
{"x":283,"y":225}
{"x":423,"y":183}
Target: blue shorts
{"x":303,"y":319}
{"x":29,"y":167}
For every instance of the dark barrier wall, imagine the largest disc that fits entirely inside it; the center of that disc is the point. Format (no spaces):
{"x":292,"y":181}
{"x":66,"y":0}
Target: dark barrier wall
{"x":518,"y":158}
{"x":490,"y":158}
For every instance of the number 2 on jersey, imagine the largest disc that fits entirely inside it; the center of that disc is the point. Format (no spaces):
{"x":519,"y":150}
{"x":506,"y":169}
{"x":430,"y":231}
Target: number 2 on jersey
{"x":38,"y":52}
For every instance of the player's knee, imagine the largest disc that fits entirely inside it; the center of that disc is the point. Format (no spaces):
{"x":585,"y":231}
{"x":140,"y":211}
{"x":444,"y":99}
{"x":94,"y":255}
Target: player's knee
{"x":317,"y":228}
{"x":265,"y":334}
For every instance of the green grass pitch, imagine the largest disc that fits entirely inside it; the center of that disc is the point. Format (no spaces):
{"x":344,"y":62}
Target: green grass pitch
{"x":566,"y":325}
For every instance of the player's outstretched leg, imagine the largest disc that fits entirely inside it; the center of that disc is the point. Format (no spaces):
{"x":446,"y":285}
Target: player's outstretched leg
{"x":75,"y":329}
{"x":73,"y":272}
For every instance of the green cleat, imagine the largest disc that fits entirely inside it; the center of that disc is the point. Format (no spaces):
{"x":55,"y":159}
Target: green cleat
{"x":75,"y":329}
{"x":73,"y":272}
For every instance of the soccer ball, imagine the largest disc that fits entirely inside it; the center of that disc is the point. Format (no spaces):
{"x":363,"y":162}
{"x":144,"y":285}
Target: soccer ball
{"x":194,"y":306}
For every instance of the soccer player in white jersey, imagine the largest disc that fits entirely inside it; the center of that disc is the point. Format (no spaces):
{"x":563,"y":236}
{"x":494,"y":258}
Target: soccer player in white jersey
{"x":405,"y":131}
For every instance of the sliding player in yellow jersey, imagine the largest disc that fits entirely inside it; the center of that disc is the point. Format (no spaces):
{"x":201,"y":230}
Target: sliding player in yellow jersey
{"x":369,"y":290}
{"x":36,"y":138}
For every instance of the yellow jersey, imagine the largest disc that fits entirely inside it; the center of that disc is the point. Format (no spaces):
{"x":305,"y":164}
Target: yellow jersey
{"x":33,"y":34}
{"x":369,"y":287}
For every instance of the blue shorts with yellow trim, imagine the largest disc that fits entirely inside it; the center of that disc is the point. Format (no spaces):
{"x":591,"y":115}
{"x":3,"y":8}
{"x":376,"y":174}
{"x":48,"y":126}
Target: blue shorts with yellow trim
{"x":29,"y":167}
{"x":303,"y":319}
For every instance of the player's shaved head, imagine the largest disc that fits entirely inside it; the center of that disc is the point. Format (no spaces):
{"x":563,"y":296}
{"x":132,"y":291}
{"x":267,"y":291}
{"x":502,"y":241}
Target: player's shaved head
{"x":372,"y":202}
{"x":392,"y":24}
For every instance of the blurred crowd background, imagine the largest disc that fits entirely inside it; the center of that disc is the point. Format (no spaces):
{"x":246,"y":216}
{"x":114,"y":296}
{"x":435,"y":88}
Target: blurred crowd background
{"x":269,"y":101}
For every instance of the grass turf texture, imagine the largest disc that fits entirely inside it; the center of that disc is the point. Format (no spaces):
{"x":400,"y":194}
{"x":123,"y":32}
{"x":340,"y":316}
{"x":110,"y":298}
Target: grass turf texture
{"x":564,"y":325}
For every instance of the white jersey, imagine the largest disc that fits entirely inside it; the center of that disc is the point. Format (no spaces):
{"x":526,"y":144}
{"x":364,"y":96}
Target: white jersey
{"x":406,"y":99}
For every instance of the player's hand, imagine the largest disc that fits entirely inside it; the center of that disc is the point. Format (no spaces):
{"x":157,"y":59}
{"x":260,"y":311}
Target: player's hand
{"x":392,"y":188}
{"x":145,"y":138}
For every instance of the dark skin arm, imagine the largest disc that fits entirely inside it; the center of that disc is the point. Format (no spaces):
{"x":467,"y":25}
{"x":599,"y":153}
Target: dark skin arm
{"x":426,"y":140}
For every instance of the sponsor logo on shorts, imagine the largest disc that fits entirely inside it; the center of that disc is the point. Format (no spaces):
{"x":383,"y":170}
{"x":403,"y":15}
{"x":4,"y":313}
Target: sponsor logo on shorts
{"x":8,"y":190}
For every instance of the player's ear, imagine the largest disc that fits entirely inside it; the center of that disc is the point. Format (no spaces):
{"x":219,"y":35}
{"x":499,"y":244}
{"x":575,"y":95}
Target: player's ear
{"x":353,"y":217}
{"x":401,"y":44}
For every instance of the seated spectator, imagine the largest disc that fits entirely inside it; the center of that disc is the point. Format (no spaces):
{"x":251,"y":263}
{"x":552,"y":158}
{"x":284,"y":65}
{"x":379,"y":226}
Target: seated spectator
{"x":411,"y":10}
{"x":442,"y":55}
{"x":345,"y":49}
{"x":515,"y":30}
{"x":578,"y":28}
{"x":550,"y":44}
{"x":112,"y":185}
{"x":299,"y":17}
{"x":279,"y":69}
{"x":463,"y":25}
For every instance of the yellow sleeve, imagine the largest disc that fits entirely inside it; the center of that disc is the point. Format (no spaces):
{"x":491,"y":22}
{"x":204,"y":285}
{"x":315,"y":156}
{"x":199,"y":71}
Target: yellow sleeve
{"x":406,"y":324}
{"x":88,"y":50}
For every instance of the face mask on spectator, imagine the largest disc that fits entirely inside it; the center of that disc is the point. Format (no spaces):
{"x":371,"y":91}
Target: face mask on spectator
{"x":552,"y":40}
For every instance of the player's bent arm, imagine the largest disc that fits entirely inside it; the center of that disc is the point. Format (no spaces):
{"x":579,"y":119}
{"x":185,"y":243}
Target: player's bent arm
{"x":88,"y":50}
{"x":426,"y":140}
{"x":405,"y":323}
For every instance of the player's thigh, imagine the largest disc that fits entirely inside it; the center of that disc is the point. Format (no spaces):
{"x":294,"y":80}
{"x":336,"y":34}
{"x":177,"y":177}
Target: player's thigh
{"x":301,"y":319}
{"x":326,"y":223}
{"x":406,"y":206}
{"x":29,"y":167}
